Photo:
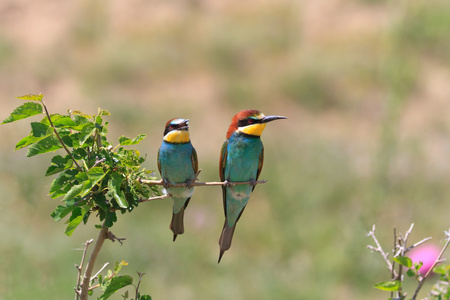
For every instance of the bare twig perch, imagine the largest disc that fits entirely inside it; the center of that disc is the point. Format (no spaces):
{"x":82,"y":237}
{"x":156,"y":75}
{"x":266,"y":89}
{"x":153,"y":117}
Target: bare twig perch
{"x":183,"y":184}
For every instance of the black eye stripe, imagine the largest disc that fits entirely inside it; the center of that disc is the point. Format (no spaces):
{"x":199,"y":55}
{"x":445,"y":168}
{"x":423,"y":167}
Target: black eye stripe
{"x":248,"y":121}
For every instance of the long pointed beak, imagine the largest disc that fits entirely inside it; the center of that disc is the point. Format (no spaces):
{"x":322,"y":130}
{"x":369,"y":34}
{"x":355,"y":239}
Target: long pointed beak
{"x":267,"y":119}
{"x":184,"y":125}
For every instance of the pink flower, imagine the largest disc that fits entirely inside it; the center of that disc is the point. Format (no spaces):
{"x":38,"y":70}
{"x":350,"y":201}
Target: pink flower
{"x":427,"y":254}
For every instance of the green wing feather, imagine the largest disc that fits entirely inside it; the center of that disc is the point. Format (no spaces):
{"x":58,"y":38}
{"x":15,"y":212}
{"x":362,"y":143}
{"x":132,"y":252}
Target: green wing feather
{"x":159,"y":163}
{"x":260,"y":165}
{"x":194,"y":160}
{"x":222,"y":163}
{"x":223,"y":160}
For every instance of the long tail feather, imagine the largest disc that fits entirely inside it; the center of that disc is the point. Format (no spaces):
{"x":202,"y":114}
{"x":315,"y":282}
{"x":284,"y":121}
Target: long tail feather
{"x":225,"y":239}
{"x":177,"y":223}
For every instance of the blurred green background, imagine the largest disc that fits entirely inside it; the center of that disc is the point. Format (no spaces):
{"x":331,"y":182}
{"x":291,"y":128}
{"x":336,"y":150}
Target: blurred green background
{"x":365,"y":87}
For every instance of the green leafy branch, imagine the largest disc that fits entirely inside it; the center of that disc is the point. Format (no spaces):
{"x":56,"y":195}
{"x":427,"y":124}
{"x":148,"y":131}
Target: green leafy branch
{"x":93,"y":176}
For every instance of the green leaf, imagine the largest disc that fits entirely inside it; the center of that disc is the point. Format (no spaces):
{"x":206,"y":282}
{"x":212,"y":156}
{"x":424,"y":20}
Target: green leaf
{"x":26,"y":141}
{"x":75,"y":219}
{"x":114,"y":187}
{"x":87,"y":181}
{"x":87,"y":131}
{"x":48,"y":144}
{"x":63,"y":183}
{"x":145,"y":297}
{"x":26,"y":110}
{"x":411,"y":272}
{"x":94,"y":175}
{"x":32,"y":97}
{"x":390,"y":286}
{"x":111,"y":218}
{"x":73,"y":192}
{"x":61,"y":211}
{"x":123,"y":141}
{"x":103,"y":112}
{"x":404,"y":261}
{"x":60,"y":121}
{"x":119,"y":265}
{"x":441,"y":269}
{"x":116,"y":283}
{"x":59,"y":164}
{"x":39,"y":131}
{"x":98,"y":122}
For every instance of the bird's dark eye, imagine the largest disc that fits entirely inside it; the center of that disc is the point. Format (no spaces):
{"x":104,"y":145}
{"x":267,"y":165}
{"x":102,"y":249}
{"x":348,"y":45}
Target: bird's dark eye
{"x":250,"y":121}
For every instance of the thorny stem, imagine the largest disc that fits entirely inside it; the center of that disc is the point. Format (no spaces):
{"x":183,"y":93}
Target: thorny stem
{"x":59,"y":138}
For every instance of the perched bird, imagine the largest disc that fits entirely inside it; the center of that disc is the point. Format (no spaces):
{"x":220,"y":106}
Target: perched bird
{"x":177,"y":163}
{"x":241,"y":159}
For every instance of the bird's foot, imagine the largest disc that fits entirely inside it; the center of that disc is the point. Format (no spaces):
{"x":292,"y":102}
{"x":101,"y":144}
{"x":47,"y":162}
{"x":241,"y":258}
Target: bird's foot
{"x":189,"y":183}
{"x":253,"y":182}
{"x":166,"y":183}
{"x":226,"y":183}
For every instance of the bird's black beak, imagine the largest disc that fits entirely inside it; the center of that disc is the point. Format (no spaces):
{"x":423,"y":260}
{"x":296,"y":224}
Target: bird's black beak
{"x":267,"y":119}
{"x":184,"y":125}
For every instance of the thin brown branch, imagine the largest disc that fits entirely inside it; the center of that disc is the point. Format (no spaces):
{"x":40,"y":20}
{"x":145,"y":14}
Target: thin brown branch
{"x":155,"y":198}
{"x":103,"y":234}
{"x":183,"y":184}
{"x":139,"y":283}
{"x":59,"y":138}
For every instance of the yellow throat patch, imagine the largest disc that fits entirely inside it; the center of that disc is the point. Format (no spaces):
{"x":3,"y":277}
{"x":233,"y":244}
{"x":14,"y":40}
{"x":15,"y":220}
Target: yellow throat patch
{"x":254,"y":129}
{"x":177,"y":137}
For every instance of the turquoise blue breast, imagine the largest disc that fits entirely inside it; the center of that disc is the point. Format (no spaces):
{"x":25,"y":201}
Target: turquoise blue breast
{"x":176,"y":163}
{"x":243,"y":157}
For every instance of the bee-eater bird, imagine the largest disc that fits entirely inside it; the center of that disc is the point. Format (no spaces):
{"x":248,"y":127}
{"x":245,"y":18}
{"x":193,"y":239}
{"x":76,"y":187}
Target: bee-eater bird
{"x":177,"y":163}
{"x":241,"y":159}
